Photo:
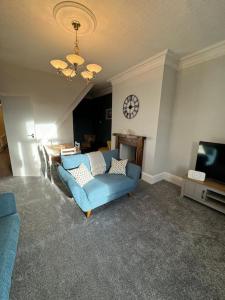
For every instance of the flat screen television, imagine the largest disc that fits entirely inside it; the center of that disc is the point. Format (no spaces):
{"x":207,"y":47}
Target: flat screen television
{"x":211,"y":160}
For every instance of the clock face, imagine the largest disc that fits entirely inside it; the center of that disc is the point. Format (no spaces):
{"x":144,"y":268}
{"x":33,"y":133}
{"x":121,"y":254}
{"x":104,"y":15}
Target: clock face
{"x":130,"y":106}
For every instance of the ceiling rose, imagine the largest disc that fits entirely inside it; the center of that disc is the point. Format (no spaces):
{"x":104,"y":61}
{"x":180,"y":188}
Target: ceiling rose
{"x":68,"y":11}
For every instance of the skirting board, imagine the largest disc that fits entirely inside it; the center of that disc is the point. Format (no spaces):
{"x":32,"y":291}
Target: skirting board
{"x":162,"y":176}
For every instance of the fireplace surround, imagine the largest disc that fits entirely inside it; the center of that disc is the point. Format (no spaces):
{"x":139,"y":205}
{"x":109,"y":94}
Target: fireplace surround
{"x":132,"y":140}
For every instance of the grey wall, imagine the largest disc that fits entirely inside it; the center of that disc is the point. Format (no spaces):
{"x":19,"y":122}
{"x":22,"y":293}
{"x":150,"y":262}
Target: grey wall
{"x":198,"y":114}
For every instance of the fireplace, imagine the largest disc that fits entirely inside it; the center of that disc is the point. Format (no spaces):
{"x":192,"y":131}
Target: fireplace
{"x":135,"y":142}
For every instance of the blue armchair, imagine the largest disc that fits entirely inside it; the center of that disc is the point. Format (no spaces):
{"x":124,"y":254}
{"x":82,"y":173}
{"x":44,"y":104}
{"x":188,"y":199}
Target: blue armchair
{"x":103,"y":188}
{"x":9,"y":233}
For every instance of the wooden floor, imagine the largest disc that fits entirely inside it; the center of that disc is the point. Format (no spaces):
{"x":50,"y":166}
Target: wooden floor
{"x":5,"y":165}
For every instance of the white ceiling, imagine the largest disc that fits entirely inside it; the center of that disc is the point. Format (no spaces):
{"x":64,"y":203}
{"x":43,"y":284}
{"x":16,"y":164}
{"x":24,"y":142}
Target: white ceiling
{"x":128,"y":31}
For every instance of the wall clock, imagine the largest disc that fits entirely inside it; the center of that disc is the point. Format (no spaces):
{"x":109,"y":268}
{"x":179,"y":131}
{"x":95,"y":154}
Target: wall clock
{"x":130,"y":106}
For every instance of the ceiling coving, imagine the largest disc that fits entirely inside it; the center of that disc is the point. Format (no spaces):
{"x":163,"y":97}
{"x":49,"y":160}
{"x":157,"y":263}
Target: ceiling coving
{"x":73,"y":16}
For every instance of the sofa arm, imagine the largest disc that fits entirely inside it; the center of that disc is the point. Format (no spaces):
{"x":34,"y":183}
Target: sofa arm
{"x":133,"y":171}
{"x":7,"y":204}
{"x":78,"y":193}
{"x":64,"y":175}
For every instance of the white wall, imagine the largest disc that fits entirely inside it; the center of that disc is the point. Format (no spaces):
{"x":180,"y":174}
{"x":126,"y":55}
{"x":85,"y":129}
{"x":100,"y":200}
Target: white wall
{"x":65,"y":130}
{"x":50,"y":94}
{"x":177,"y":110}
{"x":199,"y":113}
{"x":147,"y":87}
{"x":19,"y":125}
{"x":153,"y":82}
{"x":165,"y":119}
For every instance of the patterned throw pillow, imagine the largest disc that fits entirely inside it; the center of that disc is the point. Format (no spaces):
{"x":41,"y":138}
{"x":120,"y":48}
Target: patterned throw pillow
{"x":81,"y":174}
{"x":118,"y":166}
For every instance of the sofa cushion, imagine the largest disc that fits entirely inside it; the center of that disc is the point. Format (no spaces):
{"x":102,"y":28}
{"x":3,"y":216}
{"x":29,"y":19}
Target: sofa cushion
{"x":108,"y":157}
{"x":74,"y":161}
{"x":9,"y":232}
{"x":107,"y":184}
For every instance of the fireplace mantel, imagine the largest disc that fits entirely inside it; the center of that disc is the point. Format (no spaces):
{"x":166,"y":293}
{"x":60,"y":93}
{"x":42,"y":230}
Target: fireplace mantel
{"x":135,"y":141}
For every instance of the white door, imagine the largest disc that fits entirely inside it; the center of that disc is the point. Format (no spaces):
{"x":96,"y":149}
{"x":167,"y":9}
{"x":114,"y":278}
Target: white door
{"x":20,"y":132}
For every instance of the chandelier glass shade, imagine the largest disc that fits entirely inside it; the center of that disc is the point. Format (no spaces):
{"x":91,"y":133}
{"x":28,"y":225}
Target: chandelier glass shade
{"x":71,"y":68}
{"x":87,"y":75}
{"x":59,"y":64}
{"x":69,"y":72}
{"x":75,"y":59}
{"x":94,"y":68}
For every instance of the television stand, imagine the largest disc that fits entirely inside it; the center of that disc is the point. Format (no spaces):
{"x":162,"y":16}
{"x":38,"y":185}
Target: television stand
{"x":208,"y":192}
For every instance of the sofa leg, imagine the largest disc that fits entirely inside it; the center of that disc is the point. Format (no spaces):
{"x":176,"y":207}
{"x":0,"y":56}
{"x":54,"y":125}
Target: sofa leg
{"x":129,"y":194}
{"x":88,"y":213}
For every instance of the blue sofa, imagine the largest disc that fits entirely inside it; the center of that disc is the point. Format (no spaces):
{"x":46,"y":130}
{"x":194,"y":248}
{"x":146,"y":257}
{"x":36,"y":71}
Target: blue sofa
{"x":9,"y":233}
{"x":103,"y":188}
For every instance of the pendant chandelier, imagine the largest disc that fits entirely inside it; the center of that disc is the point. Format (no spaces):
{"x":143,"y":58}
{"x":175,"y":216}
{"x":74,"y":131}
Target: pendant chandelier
{"x":71,"y":67}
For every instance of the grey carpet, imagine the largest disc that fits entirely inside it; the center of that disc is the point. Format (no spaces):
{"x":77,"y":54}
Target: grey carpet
{"x":149,"y":246}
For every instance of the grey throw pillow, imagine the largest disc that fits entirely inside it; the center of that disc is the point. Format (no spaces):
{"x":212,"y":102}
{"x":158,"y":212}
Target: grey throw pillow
{"x":118,"y":166}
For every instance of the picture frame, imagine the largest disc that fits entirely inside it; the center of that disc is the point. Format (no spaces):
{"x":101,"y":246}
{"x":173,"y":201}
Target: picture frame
{"x":108,"y":114}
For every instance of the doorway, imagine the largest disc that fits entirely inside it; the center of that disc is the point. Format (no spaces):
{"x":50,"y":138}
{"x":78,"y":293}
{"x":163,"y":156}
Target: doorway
{"x":92,"y":122}
{"x":5,"y":163}
{"x":21,"y":136}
